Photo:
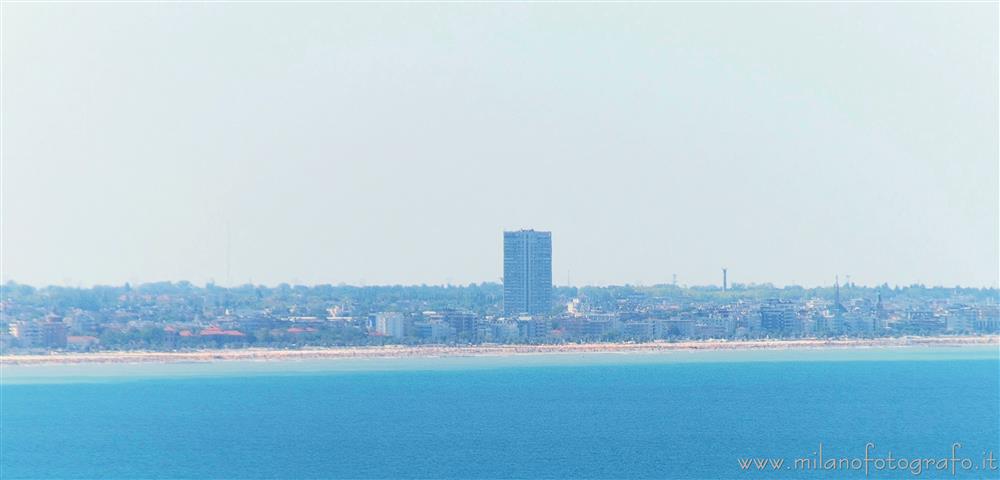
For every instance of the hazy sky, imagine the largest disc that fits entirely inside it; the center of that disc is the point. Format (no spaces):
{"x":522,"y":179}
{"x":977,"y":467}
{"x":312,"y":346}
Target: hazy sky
{"x":393,"y":143}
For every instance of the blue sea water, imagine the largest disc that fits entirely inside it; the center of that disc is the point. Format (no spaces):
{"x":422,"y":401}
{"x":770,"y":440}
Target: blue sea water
{"x":686,"y":415}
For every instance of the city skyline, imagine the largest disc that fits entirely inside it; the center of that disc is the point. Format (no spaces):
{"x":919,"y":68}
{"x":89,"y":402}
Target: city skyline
{"x":499,"y":281}
{"x":168,"y":316}
{"x":482,"y":239}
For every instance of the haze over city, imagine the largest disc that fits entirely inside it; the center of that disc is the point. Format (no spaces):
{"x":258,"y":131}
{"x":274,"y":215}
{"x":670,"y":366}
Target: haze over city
{"x":374,"y":145}
{"x":451,"y":239}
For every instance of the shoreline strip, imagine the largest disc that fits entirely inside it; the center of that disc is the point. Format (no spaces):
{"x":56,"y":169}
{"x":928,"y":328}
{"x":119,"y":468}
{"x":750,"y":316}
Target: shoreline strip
{"x":430,"y":351}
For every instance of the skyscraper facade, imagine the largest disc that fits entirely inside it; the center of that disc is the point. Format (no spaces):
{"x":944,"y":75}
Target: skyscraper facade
{"x":527,"y":272}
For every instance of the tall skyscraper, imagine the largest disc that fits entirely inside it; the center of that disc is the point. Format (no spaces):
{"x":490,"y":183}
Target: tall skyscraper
{"x":527,"y":272}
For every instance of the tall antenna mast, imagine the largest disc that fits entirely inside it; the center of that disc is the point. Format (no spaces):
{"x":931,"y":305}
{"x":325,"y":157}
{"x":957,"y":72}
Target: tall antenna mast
{"x":229,"y":244}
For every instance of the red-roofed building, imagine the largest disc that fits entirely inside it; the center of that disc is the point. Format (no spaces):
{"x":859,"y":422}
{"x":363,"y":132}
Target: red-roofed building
{"x":217,"y":332}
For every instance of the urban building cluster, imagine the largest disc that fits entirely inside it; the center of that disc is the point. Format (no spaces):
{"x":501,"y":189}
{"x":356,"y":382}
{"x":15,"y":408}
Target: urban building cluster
{"x":525,"y":308}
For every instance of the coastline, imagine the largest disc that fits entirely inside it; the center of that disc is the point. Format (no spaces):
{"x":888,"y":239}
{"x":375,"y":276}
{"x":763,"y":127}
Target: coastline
{"x":434,"y":351}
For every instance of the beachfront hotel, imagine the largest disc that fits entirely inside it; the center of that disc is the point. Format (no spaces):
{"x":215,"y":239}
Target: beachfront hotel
{"x":527,"y":272}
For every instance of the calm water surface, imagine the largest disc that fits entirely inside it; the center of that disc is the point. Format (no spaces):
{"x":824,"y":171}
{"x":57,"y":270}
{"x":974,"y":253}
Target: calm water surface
{"x":676,"y":415}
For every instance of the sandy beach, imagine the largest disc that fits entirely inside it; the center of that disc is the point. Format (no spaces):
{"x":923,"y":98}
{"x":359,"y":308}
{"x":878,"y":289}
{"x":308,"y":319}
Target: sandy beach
{"x":426,"y":351}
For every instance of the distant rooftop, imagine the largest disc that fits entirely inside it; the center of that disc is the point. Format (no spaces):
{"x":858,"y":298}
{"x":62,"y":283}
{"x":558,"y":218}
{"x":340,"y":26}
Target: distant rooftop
{"x":526,"y":230}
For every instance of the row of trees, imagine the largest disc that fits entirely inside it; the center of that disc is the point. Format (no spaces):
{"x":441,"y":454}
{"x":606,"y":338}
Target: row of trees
{"x":481,"y":298}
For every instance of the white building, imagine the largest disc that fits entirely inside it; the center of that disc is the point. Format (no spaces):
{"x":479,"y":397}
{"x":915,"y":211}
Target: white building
{"x":390,"y":324}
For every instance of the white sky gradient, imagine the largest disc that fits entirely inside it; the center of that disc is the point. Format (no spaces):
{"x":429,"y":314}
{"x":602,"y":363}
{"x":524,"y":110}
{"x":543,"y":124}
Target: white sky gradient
{"x":391,"y":143}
